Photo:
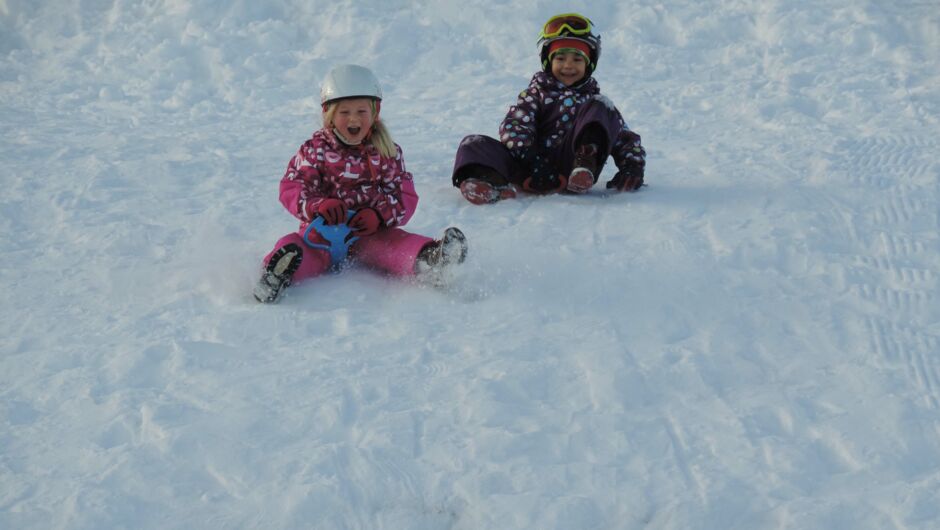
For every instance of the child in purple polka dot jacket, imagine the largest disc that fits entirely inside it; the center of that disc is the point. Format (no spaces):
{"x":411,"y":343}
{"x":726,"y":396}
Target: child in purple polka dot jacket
{"x":558,"y":135}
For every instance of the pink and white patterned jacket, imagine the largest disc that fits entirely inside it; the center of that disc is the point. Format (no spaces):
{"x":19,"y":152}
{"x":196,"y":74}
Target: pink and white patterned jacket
{"x":358,"y":175}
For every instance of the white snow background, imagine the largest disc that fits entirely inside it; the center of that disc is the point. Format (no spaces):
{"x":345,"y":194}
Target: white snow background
{"x":750,"y":342}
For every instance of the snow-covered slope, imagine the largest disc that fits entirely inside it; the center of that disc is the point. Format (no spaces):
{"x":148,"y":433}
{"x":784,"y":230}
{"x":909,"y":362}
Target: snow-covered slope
{"x":752,"y":341}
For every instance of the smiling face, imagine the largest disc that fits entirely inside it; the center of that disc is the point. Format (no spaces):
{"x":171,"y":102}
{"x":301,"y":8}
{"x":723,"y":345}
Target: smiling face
{"x":353,"y":118}
{"x":568,"y":67}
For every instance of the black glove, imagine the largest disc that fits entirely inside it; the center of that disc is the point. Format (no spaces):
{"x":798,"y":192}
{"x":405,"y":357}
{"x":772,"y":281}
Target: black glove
{"x":627,"y":179}
{"x":544,"y":178}
{"x":523,"y":155}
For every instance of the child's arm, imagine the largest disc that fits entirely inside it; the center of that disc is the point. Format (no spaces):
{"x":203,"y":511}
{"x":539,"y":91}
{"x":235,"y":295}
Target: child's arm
{"x":300,"y":186}
{"x":409,"y":197}
{"x":628,"y":150}
{"x":397,"y":200}
{"x":518,"y":130}
{"x":630,"y":158}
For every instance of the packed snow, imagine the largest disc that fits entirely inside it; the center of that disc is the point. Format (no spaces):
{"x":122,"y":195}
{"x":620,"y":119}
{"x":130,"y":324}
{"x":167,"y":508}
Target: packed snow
{"x":752,"y":341}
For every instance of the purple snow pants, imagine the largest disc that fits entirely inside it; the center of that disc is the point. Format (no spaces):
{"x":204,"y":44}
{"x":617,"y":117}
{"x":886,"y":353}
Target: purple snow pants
{"x":485,"y":151}
{"x":390,"y":250}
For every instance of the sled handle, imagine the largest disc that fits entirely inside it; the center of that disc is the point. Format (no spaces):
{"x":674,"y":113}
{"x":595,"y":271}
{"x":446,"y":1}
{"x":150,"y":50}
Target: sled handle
{"x":336,"y":235}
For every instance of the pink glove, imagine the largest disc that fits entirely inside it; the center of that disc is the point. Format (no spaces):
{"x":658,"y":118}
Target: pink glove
{"x":333,"y":211}
{"x":365,"y":222}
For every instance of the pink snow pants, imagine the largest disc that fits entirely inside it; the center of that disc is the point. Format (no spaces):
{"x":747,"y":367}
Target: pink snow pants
{"x":390,"y":250}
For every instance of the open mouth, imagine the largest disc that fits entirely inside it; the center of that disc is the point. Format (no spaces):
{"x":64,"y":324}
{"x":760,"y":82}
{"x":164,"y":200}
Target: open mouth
{"x":354,"y":131}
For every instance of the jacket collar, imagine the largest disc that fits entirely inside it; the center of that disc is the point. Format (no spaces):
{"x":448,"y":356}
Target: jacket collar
{"x":337,"y":144}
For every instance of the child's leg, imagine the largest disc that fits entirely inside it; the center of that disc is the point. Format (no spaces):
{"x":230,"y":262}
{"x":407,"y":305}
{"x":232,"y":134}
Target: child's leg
{"x":586,"y":149}
{"x":393,"y":251}
{"x":313,"y":263}
{"x":483,"y":158}
{"x":595,"y":124}
{"x":483,"y":169}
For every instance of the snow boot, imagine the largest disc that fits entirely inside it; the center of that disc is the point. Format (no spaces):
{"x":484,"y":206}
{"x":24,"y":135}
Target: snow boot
{"x":585,"y":166}
{"x":479,"y":191}
{"x":437,"y":259}
{"x":278,"y":273}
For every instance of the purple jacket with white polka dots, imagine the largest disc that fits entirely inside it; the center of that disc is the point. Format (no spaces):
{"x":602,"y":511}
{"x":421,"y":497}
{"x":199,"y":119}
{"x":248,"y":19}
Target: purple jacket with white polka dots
{"x":544,"y":115}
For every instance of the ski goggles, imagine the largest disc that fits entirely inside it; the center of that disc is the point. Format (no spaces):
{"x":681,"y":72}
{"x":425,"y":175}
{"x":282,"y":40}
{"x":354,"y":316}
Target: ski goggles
{"x":573,"y":23}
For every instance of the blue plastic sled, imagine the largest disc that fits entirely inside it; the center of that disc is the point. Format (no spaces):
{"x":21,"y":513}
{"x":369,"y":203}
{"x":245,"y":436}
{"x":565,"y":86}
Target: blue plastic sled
{"x":336,"y":235}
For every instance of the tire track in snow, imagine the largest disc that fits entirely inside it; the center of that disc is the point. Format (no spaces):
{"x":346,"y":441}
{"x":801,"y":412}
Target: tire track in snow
{"x":901,"y":275}
{"x":896,"y":300}
{"x":900,"y":278}
{"x":901,"y":244}
{"x":883,"y":162}
{"x":914,"y":350}
{"x":898,"y":210}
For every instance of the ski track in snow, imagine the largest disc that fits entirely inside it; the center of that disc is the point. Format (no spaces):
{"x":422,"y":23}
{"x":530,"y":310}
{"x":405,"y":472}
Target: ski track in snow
{"x":750,"y":342}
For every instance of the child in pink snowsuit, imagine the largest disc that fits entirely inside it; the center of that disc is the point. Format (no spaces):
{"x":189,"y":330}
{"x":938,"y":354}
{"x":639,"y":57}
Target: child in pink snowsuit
{"x":351,"y":175}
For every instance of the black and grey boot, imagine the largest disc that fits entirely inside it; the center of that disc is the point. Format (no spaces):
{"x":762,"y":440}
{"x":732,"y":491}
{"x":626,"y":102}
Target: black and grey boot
{"x":436,"y":259}
{"x":278,"y":273}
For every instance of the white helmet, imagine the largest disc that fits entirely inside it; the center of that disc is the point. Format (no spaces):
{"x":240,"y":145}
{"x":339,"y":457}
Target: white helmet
{"x":349,"y":81}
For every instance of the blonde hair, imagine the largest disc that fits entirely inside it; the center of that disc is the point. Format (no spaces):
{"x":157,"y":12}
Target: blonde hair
{"x":380,"y":137}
